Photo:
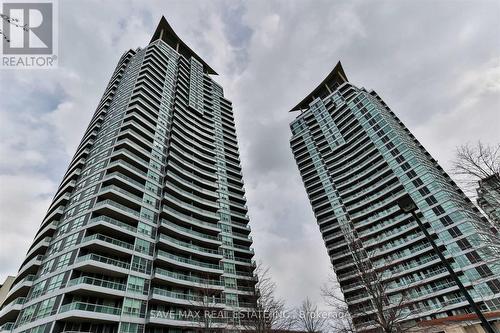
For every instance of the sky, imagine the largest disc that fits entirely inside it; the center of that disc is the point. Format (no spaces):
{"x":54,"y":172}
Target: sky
{"x":435,"y":63}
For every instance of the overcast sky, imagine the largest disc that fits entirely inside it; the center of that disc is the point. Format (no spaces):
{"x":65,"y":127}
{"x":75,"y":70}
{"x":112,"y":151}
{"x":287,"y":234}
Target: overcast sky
{"x":435,"y":63}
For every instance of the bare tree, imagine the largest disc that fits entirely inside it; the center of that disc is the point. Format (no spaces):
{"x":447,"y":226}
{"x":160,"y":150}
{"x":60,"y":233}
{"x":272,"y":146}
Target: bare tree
{"x":342,"y":321}
{"x":476,"y":162}
{"x":481,"y":163}
{"x":208,"y":302}
{"x":387,"y":311}
{"x":309,"y":319}
{"x":269,"y":311}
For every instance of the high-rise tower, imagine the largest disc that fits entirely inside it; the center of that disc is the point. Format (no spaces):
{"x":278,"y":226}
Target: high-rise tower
{"x":148,"y":231}
{"x":357,"y":160}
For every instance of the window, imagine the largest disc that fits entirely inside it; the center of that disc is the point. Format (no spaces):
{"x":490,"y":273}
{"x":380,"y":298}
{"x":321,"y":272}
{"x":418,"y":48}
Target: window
{"x":145,"y":229}
{"x":455,"y":232}
{"x":431,"y":200}
{"x":55,"y":282}
{"x":143,"y":246}
{"x":135,"y":284}
{"x":484,"y":271}
{"x":446,"y":220}
{"x":424,"y":191}
{"x":132,"y":307}
{"x":438,"y":210}
{"x":464,"y":244}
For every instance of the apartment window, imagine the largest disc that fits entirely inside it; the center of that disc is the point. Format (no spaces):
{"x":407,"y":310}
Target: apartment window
{"x":405,"y":166}
{"x":132,"y":307}
{"x":55,"y":282}
{"x":143,"y":246}
{"x":145,"y":229}
{"x":455,"y":232}
{"x":484,"y":271}
{"x":438,"y":210}
{"x":464,"y":244}
{"x":431,"y":200}
{"x":417,"y":182}
{"x":135,"y":284}
{"x":446,"y":220}
{"x":473,"y":257}
{"x":411,"y":174}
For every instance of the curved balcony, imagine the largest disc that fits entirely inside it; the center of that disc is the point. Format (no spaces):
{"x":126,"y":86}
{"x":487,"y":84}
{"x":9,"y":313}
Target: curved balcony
{"x":20,"y":288}
{"x":191,"y":208}
{"x":113,"y":223}
{"x":95,"y":285}
{"x":110,"y":205}
{"x":188,"y":263}
{"x":192,"y":185}
{"x":190,"y":233}
{"x":172,"y":213}
{"x":96,"y":263}
{"x":31,"y":267}
{"x":85,"y":311}
{"x":188,"y":247}
{"x":106,"y":243}
{"x":188,"y":280}
{"x":9,"y":311}
{"x":191,"y":196}
{"x":185,"y":299}
{"x":201,"y":180}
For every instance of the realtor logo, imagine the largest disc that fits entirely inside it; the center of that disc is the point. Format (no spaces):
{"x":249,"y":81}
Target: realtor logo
{"x":28,"y":33}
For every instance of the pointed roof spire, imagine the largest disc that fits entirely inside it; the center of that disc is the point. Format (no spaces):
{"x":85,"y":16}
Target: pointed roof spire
{"x":330,"y":83}
{"x":165,"y":32}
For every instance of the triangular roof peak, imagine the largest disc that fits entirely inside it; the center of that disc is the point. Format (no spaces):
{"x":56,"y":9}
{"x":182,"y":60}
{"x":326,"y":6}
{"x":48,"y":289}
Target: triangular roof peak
{"x":332,"y":81}
{"x":165,"y":32}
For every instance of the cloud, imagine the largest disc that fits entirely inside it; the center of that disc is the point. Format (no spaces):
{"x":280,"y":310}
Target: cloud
{"x":435,"y":64}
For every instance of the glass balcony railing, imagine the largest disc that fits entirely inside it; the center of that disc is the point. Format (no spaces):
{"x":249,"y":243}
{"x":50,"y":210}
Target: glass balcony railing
{"x":19,"y":300}
{"x":188,"y":278}
{"x":112,"y":221}
{"x":128,"y":179}
{"x":117,"y":205}
{"x":97,"y":282}
{"x":109,"y":240}
{"x":162,"y":253}
{"x":190,"y":218}
{"x":104,"y":260}
{"x":81,"y":306}
{"x":188,"y":245}
{"x":186,"y":297}
{"x":189,"y":231}
{"x":119,"y":189}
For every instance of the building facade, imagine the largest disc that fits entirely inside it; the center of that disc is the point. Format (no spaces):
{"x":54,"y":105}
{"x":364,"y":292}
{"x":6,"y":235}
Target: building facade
{"x":148,"y":231}
{"x":5,"y":287}
{"x":357,"y":159}
{"x":488,"y":198}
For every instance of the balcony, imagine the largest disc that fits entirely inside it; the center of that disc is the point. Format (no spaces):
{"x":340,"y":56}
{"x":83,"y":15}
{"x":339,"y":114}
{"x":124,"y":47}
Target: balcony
{"x":190,"y":219}
{"x":109,"y":287}
{"x":81,"y":310}
{"x":190,"y":233}
{"x":16,"y":288}
{"x":188,"y":280}
{"x":188,"y":247}
{"x":189,"y":263}
{"x":104,"y":240}
{"x":192,"y":208}
{"x":9,"y":311}
{"x":100,"y":263}
{"x":187,"y":299}
{"x":116,"y":206}
{"x":108,"y":220}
